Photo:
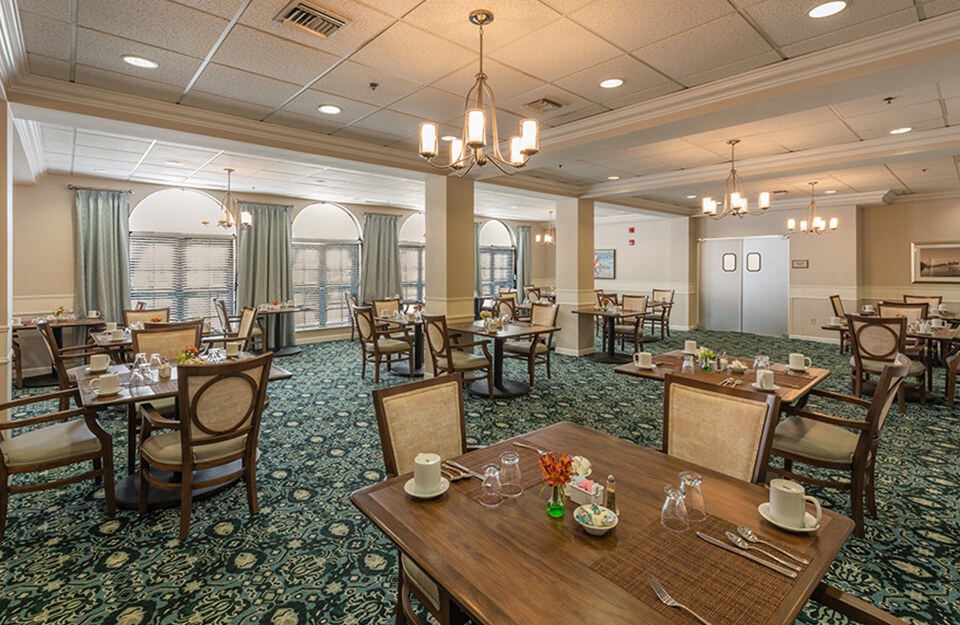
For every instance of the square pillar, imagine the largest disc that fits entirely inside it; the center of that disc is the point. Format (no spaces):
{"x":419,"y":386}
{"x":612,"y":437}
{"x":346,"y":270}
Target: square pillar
{"x":575,"y":276}
{"x":449,"y":250}
{"x":6,"y":249}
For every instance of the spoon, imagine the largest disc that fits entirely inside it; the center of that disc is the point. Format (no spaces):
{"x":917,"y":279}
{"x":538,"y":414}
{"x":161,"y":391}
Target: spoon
{"x":747,"y":533}
{"x":739,"y":542}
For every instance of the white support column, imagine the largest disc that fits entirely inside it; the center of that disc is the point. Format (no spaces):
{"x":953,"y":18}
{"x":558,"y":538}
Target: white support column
{"x":575,"y":275}
{"x":449,"y":254}
{"x":6,"y":249}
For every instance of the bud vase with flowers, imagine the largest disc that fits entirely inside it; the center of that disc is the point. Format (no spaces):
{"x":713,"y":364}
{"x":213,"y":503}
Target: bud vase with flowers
{"x":557,"y":471}
{"x":706,"y":358}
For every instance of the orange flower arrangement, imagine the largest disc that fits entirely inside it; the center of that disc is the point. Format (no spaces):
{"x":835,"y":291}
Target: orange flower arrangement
{"x":189,"y":353}
{"x":557,"y":468}
{"x":155,"y":319}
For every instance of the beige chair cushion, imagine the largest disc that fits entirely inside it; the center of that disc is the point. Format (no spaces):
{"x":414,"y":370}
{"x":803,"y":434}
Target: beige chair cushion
{"x":49,"y":444}
{"x":465,"y":360}
{"x":390,"y":346}
{"x":421,"y":581}
{"x":523,"y":347}
{"x":815,"y":439}
{"x":876,"y":366}
{"x":165,"y":449}
{"x":256,"y":331}
{"x":166,"y":406}
{"x":625,"y":329}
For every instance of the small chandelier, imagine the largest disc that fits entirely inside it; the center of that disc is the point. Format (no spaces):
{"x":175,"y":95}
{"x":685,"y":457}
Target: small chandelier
{"x":813,"y":222}
{"x":549,"y":237}
{"x":231,"y":210}
{"x":471,"y":148}
{"x":734,"y":199}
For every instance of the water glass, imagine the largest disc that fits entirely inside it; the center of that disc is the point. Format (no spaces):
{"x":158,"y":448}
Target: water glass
{"x":490,"y":493}
{"x":688,"y":366}
{"x":761,"y":362}
{"x":673,"y":515}
{"x":510,"y":474}
{"x":693,"y":496}
{"x":140,"y":360}
{"x":155,"y":361}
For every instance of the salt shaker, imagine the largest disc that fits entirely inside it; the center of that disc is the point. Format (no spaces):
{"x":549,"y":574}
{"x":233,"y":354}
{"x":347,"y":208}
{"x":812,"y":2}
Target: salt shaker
{"x":611,"y":495}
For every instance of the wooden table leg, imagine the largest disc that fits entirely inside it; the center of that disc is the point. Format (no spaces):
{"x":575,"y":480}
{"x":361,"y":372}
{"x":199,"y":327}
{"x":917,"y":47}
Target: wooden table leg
{"x":131,"y":438}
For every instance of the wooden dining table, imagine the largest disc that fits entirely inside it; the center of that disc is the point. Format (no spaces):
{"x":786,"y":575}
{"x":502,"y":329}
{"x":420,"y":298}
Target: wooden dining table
{"x":610,"y":317}
{"x":515,"y":565}
{"x":279,"y":349}
{"x":793,"y":385}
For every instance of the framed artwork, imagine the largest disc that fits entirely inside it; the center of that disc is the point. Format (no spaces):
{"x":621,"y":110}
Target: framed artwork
{"x":935,"y":262}
{"x":605,"y":264}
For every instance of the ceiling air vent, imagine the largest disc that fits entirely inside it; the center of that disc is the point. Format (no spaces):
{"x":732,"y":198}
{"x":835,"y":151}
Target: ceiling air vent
{"x":542,"y":105}
{"x":310,"y":19}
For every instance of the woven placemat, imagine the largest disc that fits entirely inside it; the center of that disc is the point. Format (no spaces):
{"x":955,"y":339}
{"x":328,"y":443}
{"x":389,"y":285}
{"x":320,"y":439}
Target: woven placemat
{"x":722,"y":587}
{"x":530,"y":475}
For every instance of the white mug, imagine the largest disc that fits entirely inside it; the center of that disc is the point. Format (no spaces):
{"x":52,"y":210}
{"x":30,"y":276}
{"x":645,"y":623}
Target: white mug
{"x":233,"y":348}
{"x":938,"y":323}
{"x":788,"y":504}
{"x":111,"y":326}
{"x":765,"y":378}
{"x":689,"y":346}
{"x":116,"y":334}
{"x":99,"y":362}
{"x":643,"y":360}
{"x":868,"y":308}
{"x":799,"y":362}
{"x":836,"y":321}
{"x":426,"y":473}
{"x":106,"y":384}
{"x":93,"y":314}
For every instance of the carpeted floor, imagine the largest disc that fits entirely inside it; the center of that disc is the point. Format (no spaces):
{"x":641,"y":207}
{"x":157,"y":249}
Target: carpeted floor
{"x":310,"y":557}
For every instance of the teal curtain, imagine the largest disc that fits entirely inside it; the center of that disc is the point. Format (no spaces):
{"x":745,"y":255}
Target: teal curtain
{"x":476,"y":259}
{"x":265,"y":267}
{"x":380,"y":265}
{"x":103,"y":253}
{"x":524,"y":258}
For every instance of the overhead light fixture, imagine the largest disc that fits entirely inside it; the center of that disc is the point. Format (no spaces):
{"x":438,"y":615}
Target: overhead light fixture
{"x":139,"y":61}
{"x":448,"y":138}
{"x":550,"y":236}
{"x":231,"y":211}
{"x":472,"y":148}
{"x":734,"y":198}
{"x":329,"y":109}
{"x":827,"y":9}
{"x":100,"y":171}
{"x":812,"y":221}
{"x":174,"y":163}
{"x":691,"y":197}
{"x":613,"y":177}
{"x":901,"y":131}
{"x":611,"y":83}
{"x":829,"y":191}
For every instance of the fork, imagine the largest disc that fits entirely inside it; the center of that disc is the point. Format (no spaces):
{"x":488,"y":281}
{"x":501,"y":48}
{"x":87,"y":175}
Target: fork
{"x":666,"y":599}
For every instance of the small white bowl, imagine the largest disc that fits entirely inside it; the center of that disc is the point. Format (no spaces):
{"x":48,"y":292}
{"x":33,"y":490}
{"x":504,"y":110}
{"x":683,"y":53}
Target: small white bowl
{"x":595,"y":530}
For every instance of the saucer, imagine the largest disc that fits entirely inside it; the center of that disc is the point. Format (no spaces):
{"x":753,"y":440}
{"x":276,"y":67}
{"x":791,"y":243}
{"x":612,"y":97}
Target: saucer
{"x":102,"y":394}
{"x":92,"y":370}
{"x":686,"y":353}
{"x":772,"y":389}
{"x":650,"y":368}
{"x":800,"y":370}
{"x":764,"y":510}
{"x":409,"y":488}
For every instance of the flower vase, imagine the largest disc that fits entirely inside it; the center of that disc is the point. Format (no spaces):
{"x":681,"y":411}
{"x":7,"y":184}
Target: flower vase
{"x":555,"y":504}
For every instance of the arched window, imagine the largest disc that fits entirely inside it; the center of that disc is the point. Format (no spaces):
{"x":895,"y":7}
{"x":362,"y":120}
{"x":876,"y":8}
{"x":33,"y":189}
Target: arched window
{"x":326,"y":264}
{"x":176,"y":260}
{"x":412,"y":257}
{"x":497,"y":258}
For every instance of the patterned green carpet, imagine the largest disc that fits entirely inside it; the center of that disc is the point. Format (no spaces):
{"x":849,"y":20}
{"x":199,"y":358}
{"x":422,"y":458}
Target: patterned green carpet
{"x":310,"y":557}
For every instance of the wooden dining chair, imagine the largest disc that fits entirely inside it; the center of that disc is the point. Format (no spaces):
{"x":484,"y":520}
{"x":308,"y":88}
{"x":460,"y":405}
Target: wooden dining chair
{"x":224,"y":317}
{"x":728,"y":430}
{"x":427,"y":415}
{"x":953,"y":371}
{"x":876,"y":343}
{"x":144,"y":315}
{"x":169,"y":340}
{"x":56,"y":439}
{"x":933,"y":301}
{"x":63,"y":359}
{"x":531,"y":294}
{"x":505,"y":307}
{"x":661,"y":316}
{"x":386,"y":307}
{"x":16,"y":356}
{"x":140,"y":306}
{"x":535,"y":349}
{"x":448,"y":357}
{"x":837,"y":304}
{"x":598,"y":324}
{"x":914,"y":312}
{"x":841,"y":443}
{"x":380,"y":345}
{"x":352,"y":301}
{"x":249,"y":332}
{"x":631,"y":328}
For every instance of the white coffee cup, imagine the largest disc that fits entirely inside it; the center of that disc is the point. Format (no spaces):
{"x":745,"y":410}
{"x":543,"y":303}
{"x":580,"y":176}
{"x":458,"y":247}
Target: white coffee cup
{"x":426,"y":473}
{"x":99,"y":362}
{"x":765,"y":378}
{"x":868,"y":308}
{"x":644,"y":360}
{"x":233,"y":349}
{"x":799,"y":362}
{"x":836,"y":321}
{"x":938,"y":323}
{"x":942,"y":308}
{"x":689,"y":346}
{"x":106,"y":384}
{"x":788,"y":504}
{"x":116,"y":334}
{"x":93,"y":314}
{"x":111,"y":326}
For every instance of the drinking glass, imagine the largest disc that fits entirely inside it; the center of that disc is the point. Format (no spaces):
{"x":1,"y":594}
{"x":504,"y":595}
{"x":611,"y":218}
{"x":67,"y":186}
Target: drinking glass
{"x":510,"y":474}
{"x":139,"y":360}
{"x":693,"y":496}
{"x":673,"y":515}
{"x":155,"y":361}
{"x":761,"y":362}
{"x":688,"y":366}
{"x":490,"y":494}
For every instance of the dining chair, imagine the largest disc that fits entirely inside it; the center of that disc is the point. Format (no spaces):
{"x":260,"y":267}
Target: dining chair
{"x":505,"y":306}
{"x":386,"y":307}
{"x":167,"y":341}
{"x":531,"y":293}
{"x":61,"y":356}
{"x":728,"y":430}
{"x":218,"y":422}
{"x":631,"y":328}
{"x":932,"y":301}
{"x":837,"y":304}
{"x":223,"y":315}
{"x":379,"y":345}
{"x":841,"y":443}
{"x":536,"y":348}
{"x":352,"y":301}
{"x":598,"y":324}
{"x":661,"y":316}
{"x":876,"y":342}
{"x":144,"y":315}
{"x":16,"y":356}
{"x":953,"y":370}
{"x":249,"y":332}
{"x":914,"y":312}
{"x":140,"y":306}
{"x":56,"y":439}
{"x":413,"y":417}
{"x":450,"y":357}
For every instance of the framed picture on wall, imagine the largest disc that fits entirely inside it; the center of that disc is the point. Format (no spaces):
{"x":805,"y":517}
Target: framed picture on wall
{"x":605,"y":264}
{"x":935,"y":262}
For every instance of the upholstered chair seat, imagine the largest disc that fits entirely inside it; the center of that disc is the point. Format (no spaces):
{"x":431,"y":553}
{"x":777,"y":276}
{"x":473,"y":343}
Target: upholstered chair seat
{"x":50,"y":444}
{"x":423,"y":586}
{"x":166,"y":449}
{"x":389,"y":346}
{"x":464,"y":360}
{"x":523,"y":347}
{"x":624,"y":329}
{"x":876,"y":366}
{"x":815,"y":439}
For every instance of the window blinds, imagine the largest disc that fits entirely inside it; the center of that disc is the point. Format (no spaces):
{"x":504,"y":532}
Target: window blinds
{"x":496,"y":269}
{"x":412,"y":270}
{"x":324,"y":272}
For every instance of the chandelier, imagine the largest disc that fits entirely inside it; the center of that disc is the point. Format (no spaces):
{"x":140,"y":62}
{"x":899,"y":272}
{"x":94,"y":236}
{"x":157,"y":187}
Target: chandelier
{"x":479,"y":109}
{"x":550,"y":235}
{"x":813,"y":222}
{"x":231,"y":211}
{"x":734,"y":199}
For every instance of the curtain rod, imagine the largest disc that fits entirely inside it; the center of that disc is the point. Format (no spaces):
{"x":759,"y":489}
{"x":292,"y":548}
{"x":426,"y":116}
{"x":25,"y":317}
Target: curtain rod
{"x":74,"y":187}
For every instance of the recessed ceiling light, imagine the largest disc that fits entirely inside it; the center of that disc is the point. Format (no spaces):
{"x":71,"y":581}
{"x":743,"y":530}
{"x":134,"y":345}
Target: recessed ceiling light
{"x":827,"y":9}
{"x":139,"y":61}
{"x":100,"y":171}
{"x":830,"y":192}
{"x":611,"y":83}
{"x":691,"y":197}
{"x":329,"y":109}
{"x":900,"y":131}
{"x":613,"y":177}
{"x":448,"y":138}
{"x":174,"y":163}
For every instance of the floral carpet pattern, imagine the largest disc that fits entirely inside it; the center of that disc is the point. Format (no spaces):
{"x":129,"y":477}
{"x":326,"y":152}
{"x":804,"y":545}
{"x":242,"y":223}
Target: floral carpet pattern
{"x":310,"y":557}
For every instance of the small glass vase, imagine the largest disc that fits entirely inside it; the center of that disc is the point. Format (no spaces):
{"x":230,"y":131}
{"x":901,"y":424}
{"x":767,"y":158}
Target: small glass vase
{"x":555,"y":504}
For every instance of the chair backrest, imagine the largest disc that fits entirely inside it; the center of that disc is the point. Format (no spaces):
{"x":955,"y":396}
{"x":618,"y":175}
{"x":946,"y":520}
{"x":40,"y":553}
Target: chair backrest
{"x":155,"y":325}
{"x":248,"y":319}
{"x":545,"y":314}
{"x":932,"y":300}
{"x":220,"y":402}
{"x":662,"y":295}
{"x":505,"y":306}
{"x":837,"y":304}
{"x":913,"y":312}
{"x":891,"y":379}
{"x":635,"y":302}
{"x":140,"y":306}
{"x":609,"y":298}
{"x":420,"y":417}
{"x":386,"y":307}
{"x":223,"y":315}
{"x":366,"y":330}
{"x":876,"y":338}
{"x":438,"y":340}
{"x":168,"y":342}
{"x":503,"y":291}
{"x":50,"y":342}
{"x":724,"y":429}
{"x":144,"y":315}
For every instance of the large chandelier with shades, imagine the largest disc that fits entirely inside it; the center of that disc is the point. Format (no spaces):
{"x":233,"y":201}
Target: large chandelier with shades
{"x":480,"y":111}
{"x":232,"y":215}
{"x":812,"y":221}
{"x":734,"y":199}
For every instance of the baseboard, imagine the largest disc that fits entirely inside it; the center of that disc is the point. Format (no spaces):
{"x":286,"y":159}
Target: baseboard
{"x":324,"y":338}
{"x":32,"y":372}
{"x":818,"y":339}
{"x":583,"y":351}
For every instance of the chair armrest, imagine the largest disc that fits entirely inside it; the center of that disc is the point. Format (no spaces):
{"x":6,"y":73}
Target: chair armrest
{"x":218,"y":338}
{"x":841,"y":397}
{"x":26,"y":401}
{"x":857,"y":610}
{"x":817,"y":416}
{"x":156,"y":420}
{"x":62,"y":415}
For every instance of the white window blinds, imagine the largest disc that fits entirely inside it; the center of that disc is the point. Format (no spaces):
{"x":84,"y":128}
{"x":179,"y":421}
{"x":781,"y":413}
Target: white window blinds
{"x":324,"y":272}
{"x":496,"y":269}
{"x":412,"y":270}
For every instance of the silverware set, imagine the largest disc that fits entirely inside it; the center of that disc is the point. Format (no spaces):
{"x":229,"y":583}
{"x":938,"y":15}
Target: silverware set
{"x":454,"y":471}
{"x":745,"y":544}
{"x":731,"y":382}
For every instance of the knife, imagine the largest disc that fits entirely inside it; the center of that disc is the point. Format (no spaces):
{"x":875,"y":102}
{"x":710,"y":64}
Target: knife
{"x":750,"y":556}
{"x":465,"y":469}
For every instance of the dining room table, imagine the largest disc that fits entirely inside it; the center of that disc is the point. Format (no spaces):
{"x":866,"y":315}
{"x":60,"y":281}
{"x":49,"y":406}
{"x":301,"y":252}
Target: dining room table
{"x":127,"y":398}
{"x":791,"y":386}
{"x":502,"y":388}
{"x":515,"y":565}
{"x":58,"y":325}
{"x":271,"y":315}
{"x":610,"y":317}
{"x":404,"y":321}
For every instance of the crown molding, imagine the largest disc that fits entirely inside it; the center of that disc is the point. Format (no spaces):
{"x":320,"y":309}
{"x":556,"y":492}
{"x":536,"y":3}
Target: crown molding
{"x":13,"y":55}
{"x":926,"y":197}
{"x":29,"y":133}
{"x":654,"y":206}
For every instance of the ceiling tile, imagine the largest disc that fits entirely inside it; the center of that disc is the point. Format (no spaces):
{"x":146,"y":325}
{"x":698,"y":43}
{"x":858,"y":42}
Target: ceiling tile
{"x":566,"y":6}
{"x":633,"y":24}
{"x":103,"y":51}
{"x":809,"y":117}
{"x":815,"y":136}
{"x":45,"y":36}
{"x":644,"y":96}
{"x":127,"y":84}
{"x":57,"y":140}
{"x":731,"y":69}
{"x":876,"y":104}
{"x":930,"y":124}
{"x":50,"y":68}
{"x":786,"y":22}
{"x":431,"y":104}
{"x":225,"y":81}
{"x":953,"y":110}
{"x":512,"y":19}
{"x":572,"y":116}
{"x":125,"y":147}
{"x":407,"y":51}
{"x":352,"y":80}
{"x":950,"y":88}
{"x":389,"y":124}
{"x":505,"y":81}
{"x":636,"y":77}
{"x":556,"y":50}
{"x":689,"y":157}
{"x":221,"y":8}
{"x":754,"y":146}
{"x":939,"y":7}
{"x":268,"y":55}
{"x":307,"y":102}
{"x":56,"y":9}
{"x":303,"y":122}
{"x":190,"y":158}
{"x":889,"y":118}
{"x":220,"y":104}
{"x":568,"y":102}
{"x":852,"y":33}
